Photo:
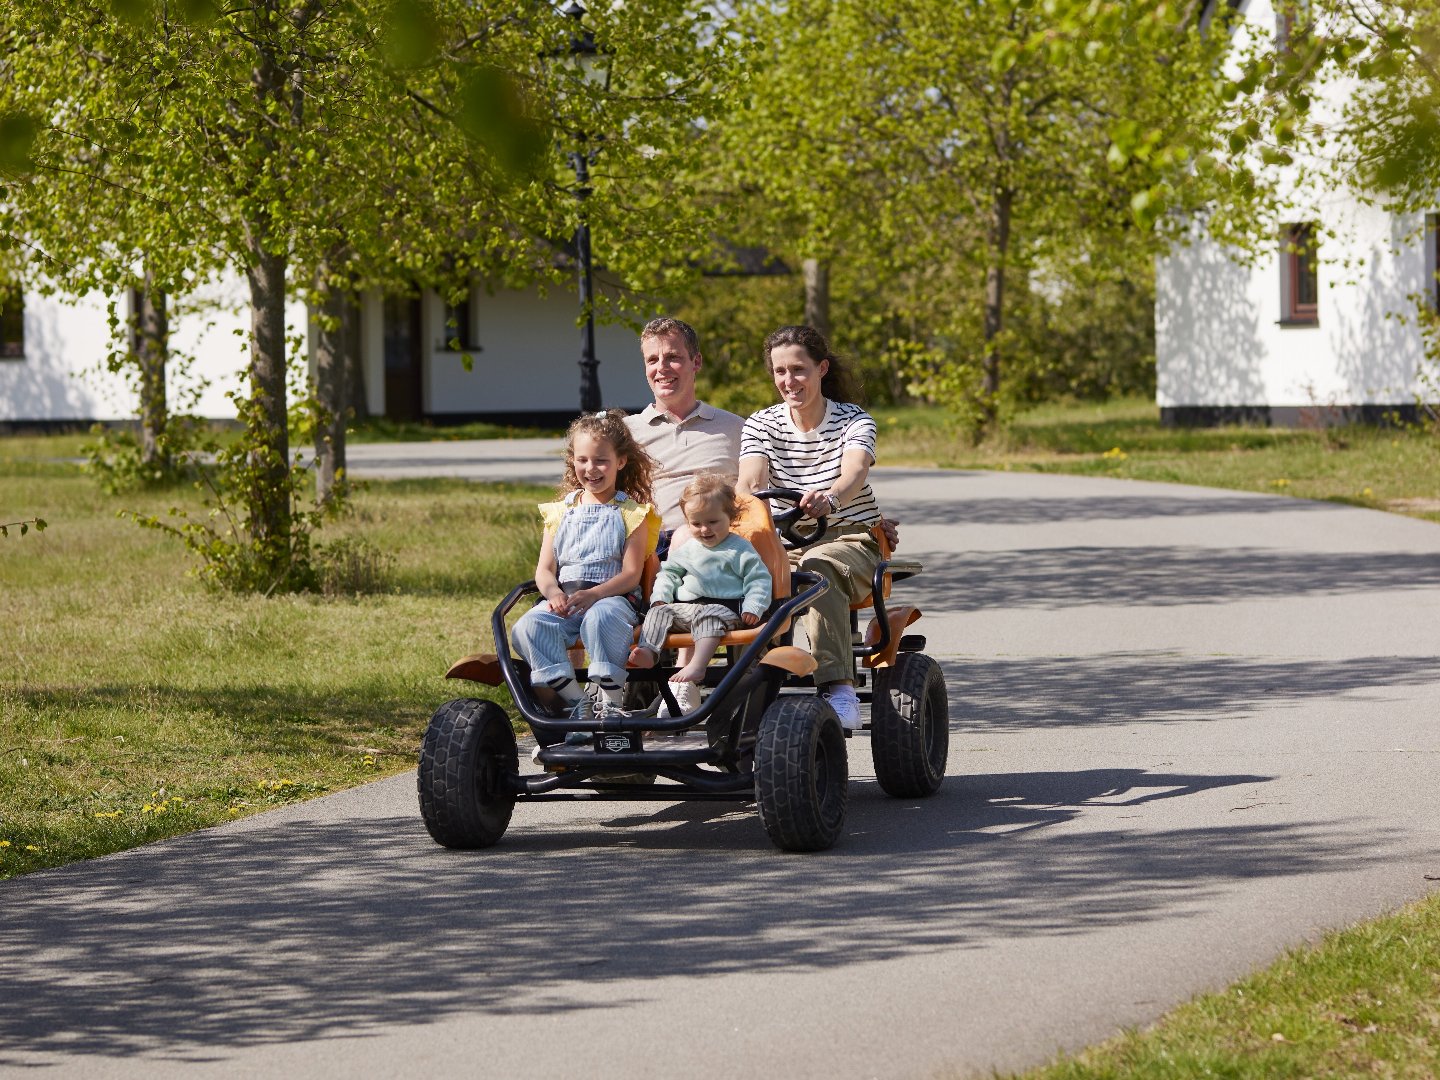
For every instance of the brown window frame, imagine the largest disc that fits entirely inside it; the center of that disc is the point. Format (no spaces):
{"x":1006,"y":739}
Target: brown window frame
{"x":1300,"y":263}
{"x":12,"y":322}
{"x":462,"y":331}
{"x":1432,"y":259}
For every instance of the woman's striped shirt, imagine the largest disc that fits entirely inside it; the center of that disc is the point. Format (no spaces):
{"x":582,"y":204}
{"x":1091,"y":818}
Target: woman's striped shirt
{"x":810,"y":460}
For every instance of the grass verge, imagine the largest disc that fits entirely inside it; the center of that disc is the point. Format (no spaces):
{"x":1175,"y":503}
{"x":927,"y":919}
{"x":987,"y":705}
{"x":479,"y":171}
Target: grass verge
{"x":1361,"y":1002}
{"x":1382,"y":468}
{"x":135,"y":704}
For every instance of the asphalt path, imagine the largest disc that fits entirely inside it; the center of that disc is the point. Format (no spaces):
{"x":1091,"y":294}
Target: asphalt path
{"x":1191,"y":728}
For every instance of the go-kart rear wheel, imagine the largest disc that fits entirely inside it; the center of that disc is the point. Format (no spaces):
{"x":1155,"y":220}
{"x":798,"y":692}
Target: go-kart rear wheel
{"x":466,"y":760}
{"x":910,"y":726}
{"x":801,"y":773}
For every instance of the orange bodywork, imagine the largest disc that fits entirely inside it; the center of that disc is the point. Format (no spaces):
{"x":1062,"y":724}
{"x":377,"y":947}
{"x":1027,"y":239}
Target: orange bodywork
{"x":898,"y":618}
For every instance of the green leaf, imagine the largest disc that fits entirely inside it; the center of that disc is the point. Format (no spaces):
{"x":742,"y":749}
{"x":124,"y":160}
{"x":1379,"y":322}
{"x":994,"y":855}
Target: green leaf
{"x":134,"y":12}
{"x":411,"y":35}
{"x":17,"y":142}
{"x":199,"y":12}
{"x":493,"y":113}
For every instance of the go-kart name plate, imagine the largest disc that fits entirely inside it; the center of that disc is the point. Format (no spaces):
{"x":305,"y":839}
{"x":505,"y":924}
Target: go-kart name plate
{"x":617,"y":742}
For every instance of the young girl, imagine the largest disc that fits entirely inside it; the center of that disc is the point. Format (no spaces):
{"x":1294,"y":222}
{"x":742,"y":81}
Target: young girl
{"x":714,"y":583}
{"x":597,"y":538}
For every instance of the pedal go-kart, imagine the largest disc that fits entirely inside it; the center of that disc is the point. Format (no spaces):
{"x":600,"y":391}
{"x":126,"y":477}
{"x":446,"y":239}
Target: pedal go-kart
{"x":763,"y":734}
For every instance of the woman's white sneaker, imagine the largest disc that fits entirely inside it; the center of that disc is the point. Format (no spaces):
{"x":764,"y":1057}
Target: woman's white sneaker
{"x":846,"y":703}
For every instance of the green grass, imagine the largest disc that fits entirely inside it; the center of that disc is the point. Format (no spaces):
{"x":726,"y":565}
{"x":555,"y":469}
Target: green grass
{"x":135,"y":704}
{"x":381,"y":430}
{"x":1362,"y":1002}
{"x":1381,"y":468}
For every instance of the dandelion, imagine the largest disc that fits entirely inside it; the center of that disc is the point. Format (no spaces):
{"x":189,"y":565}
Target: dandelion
{"x":1281,"y":483}
{"x":31,"y":847}
{"x":1115,"y":454}
{"x":367,"y":760}
{"x":4,"y":843}
{"x":1366,"y":493}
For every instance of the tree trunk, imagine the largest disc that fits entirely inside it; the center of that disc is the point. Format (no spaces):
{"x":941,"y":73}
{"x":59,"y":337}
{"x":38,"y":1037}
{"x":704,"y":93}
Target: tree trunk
{"x":995,"y":304}
{"x":332,"y":393}
{"x":268,"y":500}
{"x":817,"y":295}
{"x":149,"y":341}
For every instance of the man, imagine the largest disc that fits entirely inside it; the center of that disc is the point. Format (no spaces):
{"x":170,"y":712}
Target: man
{"x":685,"y":436}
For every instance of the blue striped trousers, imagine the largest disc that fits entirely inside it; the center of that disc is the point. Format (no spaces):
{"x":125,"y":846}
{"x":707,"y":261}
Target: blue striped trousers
{"x":606,"y":631}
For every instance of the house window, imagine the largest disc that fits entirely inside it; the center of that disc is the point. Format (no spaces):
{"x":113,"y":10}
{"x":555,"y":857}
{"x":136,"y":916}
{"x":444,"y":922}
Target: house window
{"x":459,"y":331}
{"x":1432,"y":260}
{"x":1300,"y":275}
{"x":12,"y":323}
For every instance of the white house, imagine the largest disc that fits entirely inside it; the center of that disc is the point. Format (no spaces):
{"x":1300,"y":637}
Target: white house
{"x":525,"y":352}
{"x":1313,"y":331}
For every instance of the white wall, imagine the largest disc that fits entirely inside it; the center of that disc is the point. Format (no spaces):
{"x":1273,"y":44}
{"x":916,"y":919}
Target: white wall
{"x":62,"y":376}
{"x":529,"y":358}
{"x":1219,"y":341}
{"x":1217,"y":322}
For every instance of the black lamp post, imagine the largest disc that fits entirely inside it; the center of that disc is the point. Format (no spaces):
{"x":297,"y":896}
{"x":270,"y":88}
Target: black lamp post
{"x":586,"y":57}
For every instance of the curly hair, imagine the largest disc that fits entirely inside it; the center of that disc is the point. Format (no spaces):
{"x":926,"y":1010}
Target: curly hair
{"x":839,"y":383}
{"x":711,"y":487}
{"x":635,"y":478}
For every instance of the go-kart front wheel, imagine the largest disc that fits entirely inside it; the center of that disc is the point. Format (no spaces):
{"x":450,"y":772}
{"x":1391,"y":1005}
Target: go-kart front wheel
{"x":802,"y":775}
{"x":910,"y":726}
{"x":466,"y":760}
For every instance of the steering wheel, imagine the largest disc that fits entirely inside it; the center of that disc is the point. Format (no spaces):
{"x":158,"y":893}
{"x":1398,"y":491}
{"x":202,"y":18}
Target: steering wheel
{"x":786,"y":519}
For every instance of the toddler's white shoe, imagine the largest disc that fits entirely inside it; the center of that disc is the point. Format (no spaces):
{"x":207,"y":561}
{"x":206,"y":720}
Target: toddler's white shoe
{"x":687,"y":696}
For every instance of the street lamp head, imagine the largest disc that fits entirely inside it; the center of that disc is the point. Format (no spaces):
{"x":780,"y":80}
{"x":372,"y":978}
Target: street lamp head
{"x":582,"y":38}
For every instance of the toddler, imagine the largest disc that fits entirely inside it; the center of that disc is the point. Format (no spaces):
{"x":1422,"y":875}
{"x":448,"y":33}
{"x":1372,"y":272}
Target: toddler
{"x":713,"y":583}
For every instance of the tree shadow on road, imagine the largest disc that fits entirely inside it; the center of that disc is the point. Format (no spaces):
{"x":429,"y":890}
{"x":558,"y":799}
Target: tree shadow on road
{"x":333,"y":926}
{"x":1130,"y":689}
{"x":1020,"y":511}
{"x":1055,"y":578}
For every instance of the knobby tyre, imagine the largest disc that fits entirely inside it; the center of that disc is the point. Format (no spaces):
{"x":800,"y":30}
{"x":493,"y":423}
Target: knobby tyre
{"x":910,"y":726}
{"x":802,"y":774}
{"x":466,"y":761}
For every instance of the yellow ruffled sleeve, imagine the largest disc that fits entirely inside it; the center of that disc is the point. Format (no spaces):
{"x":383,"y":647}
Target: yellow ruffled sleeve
{"x":638,"y":514}
{"x":551,"y":513}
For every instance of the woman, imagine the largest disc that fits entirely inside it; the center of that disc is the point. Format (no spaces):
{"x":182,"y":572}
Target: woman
{"x":819,"y":442}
